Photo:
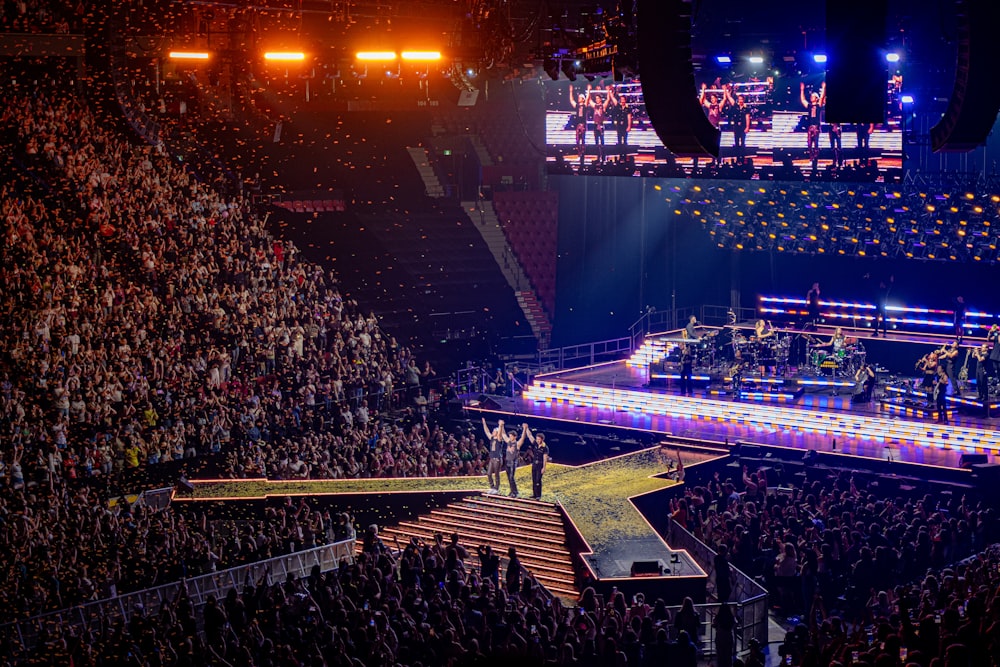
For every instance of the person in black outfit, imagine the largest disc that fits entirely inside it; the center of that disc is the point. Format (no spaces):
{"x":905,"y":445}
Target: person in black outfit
{"x":687,"y":366}
{"x":981,"y":354}
{"x":739,"y":121}
{"x":622,"y":113}
{"x":723,"y":574}
{"x":513,"y":572}
{"x":597,"y":114}
{"x":864,"y":132}
{"x":582,"y":111}
{"x":489,"y":565}
{"x":940,"y":392}
{"x":539,"y":459}
{"x":960,"y":310}
{"x":864,"y":378}
{"x":497,"y":439}
{"x":814,"y":111}
{"x":881,"y":300}
{"x":812,"y":305}
{"x":511,"y":459}
{"x":835,"y":132}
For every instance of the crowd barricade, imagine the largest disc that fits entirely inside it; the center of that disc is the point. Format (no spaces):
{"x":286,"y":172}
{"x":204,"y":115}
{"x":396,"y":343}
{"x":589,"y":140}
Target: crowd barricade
{"x":93,"y":616}
{"x":749,"y":598}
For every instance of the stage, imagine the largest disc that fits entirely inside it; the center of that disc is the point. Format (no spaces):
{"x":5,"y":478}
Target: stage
{"x":800,"y":408}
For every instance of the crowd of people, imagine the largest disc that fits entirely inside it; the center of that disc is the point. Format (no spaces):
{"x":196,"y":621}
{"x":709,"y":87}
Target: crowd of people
{"x":42,"y":16}
{"x":147,"y":319}
{"x":69,"y":547}
{"x":857,"y":570}
{"x":425,"y":604}
{"x":835,"y":537}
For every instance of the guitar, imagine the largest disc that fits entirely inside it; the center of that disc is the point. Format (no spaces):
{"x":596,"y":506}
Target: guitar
{"x":963,"y":373}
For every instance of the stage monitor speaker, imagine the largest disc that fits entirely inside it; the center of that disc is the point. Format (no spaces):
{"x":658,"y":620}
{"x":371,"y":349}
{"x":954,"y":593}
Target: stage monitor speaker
{"x":645,"y":568}
{"x":987,"y":479}
{"x":975,"y":97}
{"x":487,"y":403}
{"x":969,"y":460}
{"x":184,"y":485}
{"x":667,"y":74}
{"x":856,"y":67}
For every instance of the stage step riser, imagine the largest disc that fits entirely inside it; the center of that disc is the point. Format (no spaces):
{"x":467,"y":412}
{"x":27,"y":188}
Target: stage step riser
{"x":469,"y":534}
{"x":534,"y":528}
{"x":544,"y":569}
{"x":501,"y":522}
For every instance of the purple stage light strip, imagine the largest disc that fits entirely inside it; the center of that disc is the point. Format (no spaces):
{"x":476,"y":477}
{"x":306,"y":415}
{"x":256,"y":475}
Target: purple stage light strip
{"x":676,"y":376}
{"x":919,"y":311}
{"x":827,"y":383}
{"x":790,"y":421}
{"x":859,"y":305}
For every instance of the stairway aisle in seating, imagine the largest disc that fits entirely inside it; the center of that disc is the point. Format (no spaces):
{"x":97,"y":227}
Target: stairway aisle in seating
{"x":535,"y":529}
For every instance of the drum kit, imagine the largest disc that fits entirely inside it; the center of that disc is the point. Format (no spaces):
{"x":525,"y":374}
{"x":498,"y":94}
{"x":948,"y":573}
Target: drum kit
{"x":770,"y":352}
{"x":843,"y":360}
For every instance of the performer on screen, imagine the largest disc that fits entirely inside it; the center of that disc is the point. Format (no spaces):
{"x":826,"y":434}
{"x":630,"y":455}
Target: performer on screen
{"x":622,"y":116}
{"x":599,"y":103}
{"x":835,"y":132}
{"x":583,"y":110}
{"x":814,"y":112}
{"x":713,"y":106}
{"x":864,"y":131}
{"x":739,"y":120}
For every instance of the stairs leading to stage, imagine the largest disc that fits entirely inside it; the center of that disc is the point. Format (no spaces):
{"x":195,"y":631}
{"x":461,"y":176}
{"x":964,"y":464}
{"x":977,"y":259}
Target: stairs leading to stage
{"x":535,"y":529}
{"x":653,"y":350}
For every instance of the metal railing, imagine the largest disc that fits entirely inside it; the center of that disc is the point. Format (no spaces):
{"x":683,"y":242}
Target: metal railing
{"x":657,"y":321}
{"x":95,"y":615}
{"x":749,"y":597}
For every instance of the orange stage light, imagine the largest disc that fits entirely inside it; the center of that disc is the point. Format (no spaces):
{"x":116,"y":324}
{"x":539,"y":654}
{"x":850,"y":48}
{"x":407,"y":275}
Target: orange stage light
{"x":421,"y":55}
{"x":376,"y":55}
{"x":284,"y":56}
{"x":189,"y":55}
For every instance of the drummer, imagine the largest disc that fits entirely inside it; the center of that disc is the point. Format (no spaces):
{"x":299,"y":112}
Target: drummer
{"x":763,"y":330}
{"x":836,"y":344}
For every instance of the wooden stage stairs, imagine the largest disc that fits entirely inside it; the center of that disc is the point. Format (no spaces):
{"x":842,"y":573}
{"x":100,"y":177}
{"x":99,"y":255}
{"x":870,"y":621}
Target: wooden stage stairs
{"x":536,"y":529}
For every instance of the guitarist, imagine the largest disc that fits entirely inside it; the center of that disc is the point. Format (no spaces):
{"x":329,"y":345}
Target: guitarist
{"x":949,"y":354}
{"x":963,"y":373}
{"x":941,"y":381}
{"x":982,"y":354}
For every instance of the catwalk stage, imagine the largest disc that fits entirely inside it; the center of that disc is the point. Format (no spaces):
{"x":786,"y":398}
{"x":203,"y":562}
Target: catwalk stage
{"x":799,"y":407}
